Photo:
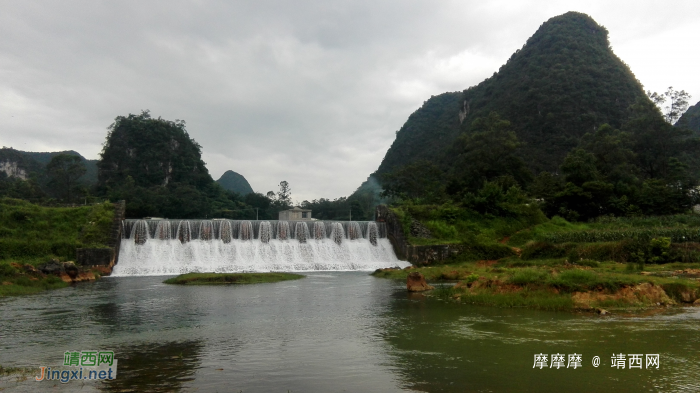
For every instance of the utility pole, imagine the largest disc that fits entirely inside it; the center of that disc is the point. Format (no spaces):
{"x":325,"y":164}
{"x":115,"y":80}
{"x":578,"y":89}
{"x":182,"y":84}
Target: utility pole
{"x":350,"y":214}
{"x":256,"y":214}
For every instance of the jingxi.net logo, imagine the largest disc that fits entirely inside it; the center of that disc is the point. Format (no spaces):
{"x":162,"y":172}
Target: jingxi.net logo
{"x":81,"y":365}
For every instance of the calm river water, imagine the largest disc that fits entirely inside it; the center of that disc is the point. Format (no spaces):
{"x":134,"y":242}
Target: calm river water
{"x":333,"y":332}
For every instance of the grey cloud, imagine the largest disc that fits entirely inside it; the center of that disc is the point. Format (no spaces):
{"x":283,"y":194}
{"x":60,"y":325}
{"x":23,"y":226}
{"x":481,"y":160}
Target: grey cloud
{"x":305,"y":91}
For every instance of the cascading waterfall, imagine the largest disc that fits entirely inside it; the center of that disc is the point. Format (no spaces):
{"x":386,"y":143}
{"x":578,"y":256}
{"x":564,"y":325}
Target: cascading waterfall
{"x":165,"y":247}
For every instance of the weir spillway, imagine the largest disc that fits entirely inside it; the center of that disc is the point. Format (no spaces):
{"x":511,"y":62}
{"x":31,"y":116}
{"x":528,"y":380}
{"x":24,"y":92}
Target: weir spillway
{"x":167,"y":247}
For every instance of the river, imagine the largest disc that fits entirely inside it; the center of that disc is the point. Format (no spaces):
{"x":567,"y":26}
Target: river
{"x":333,"y":332}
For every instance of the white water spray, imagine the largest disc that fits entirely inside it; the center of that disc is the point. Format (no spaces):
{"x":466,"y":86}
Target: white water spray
{"x":166,"y":247}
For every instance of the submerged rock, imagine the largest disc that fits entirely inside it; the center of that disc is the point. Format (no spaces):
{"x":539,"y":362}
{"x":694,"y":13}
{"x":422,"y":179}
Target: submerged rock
{"x":415,"y":282}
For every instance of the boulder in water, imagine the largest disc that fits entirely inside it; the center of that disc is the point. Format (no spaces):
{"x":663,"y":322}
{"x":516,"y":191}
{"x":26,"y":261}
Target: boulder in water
{"x":415,"y":282}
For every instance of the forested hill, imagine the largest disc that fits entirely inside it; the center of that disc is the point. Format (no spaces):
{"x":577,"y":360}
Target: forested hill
{"x":235,"y":182}
{"x":691,"y":119}
{"x":35,"y":162}
{"x":564,"y":82}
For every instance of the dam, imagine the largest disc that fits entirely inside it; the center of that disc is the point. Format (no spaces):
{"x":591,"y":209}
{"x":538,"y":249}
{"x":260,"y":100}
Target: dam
{"x":170,"y":247}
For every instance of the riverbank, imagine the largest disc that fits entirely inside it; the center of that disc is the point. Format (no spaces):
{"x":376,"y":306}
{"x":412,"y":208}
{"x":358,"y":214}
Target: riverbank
{"x":230,"y":278}
{"x":17,"y":279}
{"x":556,"y":284}
{"x":39,"y":243}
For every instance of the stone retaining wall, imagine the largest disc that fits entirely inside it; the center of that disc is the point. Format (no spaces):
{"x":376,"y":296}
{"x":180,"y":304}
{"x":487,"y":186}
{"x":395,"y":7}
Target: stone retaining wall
{"x":417,"y":255}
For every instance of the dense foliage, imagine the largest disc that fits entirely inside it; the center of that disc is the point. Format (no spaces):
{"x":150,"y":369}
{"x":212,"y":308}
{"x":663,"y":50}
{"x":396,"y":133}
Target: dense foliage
{"x":50,"y":177}
{"x":157,"y":168}
{"x":564,"y":82}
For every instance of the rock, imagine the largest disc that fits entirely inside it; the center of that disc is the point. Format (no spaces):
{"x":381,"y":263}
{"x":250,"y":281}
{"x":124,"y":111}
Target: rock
{"x":6,"y":283}
{"x":70,"y":269}
{"x":65,"y":277}
{"x":409,"y":267}
{"x":601,"y":311}
{"x":53,"y":267}
{"x":415,"y":282}
{"x":85,"y":276}
{"x":16,"y":265}
{"x":103,"y":270}
{"x":696,"y":303}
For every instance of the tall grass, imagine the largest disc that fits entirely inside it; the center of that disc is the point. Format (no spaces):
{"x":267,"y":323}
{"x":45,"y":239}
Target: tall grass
{"x":29,"y":232}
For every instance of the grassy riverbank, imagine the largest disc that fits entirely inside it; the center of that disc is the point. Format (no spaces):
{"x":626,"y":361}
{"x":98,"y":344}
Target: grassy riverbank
{"x":15,"y":286}
{"x":31,"y":235}
{"x":559,"y":285}
{"x":527,"y":260}
{"x":230,"y":278}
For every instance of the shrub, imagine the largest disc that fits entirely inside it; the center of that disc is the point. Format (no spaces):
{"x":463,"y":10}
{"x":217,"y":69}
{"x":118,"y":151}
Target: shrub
{"x":471,"y":278}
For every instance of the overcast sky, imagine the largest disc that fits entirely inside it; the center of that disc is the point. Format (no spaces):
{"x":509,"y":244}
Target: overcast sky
{"x":310,"y":92}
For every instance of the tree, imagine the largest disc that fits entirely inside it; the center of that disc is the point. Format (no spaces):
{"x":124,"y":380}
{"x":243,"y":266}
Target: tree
{"x":677,"y":106}
{"x":284,"y":196}
{"x":420,"y":179}
{"x":487,"y":152}
{"x":154,"y":152}
{"x":63,"y":171}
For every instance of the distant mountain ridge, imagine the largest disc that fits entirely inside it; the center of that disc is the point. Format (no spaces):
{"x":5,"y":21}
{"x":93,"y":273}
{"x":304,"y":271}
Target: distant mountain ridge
{"x":235,"y":182}
{"x":691,"y":119}
{"x":564,"y":82}
{"x":35,"y":162}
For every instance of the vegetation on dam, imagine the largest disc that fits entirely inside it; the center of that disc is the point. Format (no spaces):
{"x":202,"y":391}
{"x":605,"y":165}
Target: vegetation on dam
{"x":231,"y":278}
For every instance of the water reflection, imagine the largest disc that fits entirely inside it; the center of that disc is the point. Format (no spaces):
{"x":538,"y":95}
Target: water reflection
{"x":163,"y":367}
{"x":332,"y":332}
{"x":448,"y":347}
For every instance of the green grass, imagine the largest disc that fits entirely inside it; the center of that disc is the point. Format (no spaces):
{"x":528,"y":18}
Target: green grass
{"x":545,"y":284}
{"x":33,"y":234}
{"x":230,"y":278}
{"x":450,"y":224}
{"x":537,"y":299}
{"x":14,"y":283}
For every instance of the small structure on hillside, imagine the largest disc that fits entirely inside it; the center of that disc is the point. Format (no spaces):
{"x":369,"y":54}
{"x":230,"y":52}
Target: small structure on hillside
{"x":295,"y":214}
